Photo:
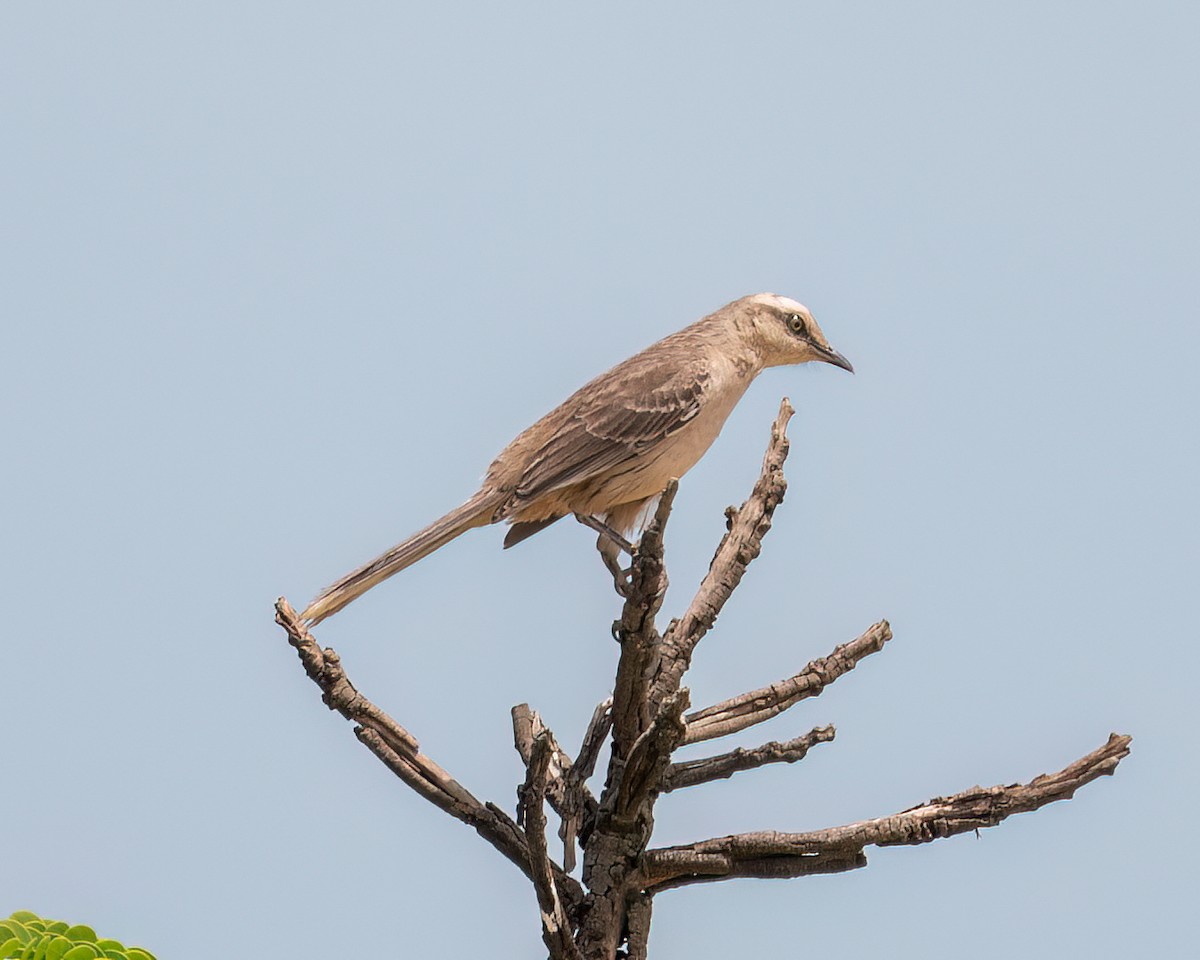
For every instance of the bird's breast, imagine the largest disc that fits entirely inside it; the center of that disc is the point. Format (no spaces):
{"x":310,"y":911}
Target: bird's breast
{"x":648,"y":473}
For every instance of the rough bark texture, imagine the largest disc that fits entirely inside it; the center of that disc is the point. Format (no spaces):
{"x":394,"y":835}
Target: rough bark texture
{"x":608,"y":914}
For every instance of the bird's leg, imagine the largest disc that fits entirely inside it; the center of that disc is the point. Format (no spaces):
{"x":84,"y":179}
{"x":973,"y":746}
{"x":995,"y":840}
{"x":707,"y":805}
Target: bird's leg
{"x":606,"y":533}
{"x":610,"y":544}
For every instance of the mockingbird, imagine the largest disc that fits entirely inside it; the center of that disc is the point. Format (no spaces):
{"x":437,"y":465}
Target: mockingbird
{"x":607,"y":452}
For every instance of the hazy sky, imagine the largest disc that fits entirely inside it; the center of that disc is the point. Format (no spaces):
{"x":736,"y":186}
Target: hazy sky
{"x":279,"y":279}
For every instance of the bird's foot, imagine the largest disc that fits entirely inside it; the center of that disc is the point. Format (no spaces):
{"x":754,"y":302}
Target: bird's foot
{"x":611,"y":545}
{"x":622,"y":580}
{"x":622,"y":576}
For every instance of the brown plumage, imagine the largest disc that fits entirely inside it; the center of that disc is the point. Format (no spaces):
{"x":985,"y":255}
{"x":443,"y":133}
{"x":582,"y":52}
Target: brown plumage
{"x":615,"y":444}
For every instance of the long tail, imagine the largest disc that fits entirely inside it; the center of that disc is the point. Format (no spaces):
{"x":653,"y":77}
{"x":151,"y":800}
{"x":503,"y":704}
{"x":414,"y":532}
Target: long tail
{"x":476,"y":512}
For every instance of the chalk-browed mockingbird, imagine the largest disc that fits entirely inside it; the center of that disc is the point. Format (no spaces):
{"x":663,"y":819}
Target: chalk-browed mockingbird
{"x":616,"y":443}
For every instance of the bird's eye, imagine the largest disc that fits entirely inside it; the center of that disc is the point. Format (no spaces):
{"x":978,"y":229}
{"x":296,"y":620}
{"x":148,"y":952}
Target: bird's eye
{"x":796,"y":324}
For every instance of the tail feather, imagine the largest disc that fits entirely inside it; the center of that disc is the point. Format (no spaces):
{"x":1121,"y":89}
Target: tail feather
{"x":476,"y":512}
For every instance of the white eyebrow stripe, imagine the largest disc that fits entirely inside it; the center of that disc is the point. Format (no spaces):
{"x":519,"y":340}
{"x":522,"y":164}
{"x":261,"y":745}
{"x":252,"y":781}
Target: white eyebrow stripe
{"x":780,"y":303}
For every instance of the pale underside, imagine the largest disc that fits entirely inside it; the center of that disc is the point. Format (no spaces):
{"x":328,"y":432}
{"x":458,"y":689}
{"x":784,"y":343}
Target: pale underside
{"x":617,"y":443}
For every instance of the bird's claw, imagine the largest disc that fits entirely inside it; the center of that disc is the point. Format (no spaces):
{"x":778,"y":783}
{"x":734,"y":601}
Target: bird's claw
{"x":622,"y":576}
{"x":623,"y":583}
{"x":611,"y":545}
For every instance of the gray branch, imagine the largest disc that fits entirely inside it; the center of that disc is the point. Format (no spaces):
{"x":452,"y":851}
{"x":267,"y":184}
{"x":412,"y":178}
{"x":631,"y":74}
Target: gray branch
{"x":746,"y":854}
{"x":642,"y":774}
{"x":741,"y":544}
{"x":636,"y":632}
{"x":567,"y":792}
{"x":578,"y":799}
{"x":638,"y":925}
{"x":593,"y":740}
{"x":397,"y":749}
{"x":557,"y":933}
{"x":757,"y":706}
{"x":692,"y":772}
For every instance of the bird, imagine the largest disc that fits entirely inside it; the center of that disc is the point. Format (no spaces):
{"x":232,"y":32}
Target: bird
{"x":610,"y":449}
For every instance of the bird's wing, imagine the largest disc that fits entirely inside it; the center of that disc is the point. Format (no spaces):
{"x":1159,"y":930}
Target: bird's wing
{"x":626,"y":412}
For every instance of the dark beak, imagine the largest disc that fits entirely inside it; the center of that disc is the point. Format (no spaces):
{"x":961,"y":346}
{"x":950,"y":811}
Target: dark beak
{"x":829,"y":355}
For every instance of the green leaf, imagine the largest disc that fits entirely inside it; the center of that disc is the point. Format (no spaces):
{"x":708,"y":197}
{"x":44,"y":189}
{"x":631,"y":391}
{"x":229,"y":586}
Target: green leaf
{"x":57,"y":947}
{"x":14,"y":928}
{"x":26,"y":936}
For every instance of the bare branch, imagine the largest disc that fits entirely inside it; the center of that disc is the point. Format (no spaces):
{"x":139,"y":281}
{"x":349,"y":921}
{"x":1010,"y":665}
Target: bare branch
{"x":692,"y":772}
{"x":578,"y":798}
{"x":685,"y":867}
{"x":637,"y":920}
{"x":337,"y":692}
{"x":566,"y":791}
{"x":738,"y":713}
{"x":527,"y":727}
{"x":740,"y":545}
{"x":556,"y":927}
{"x":522,"y":720}
{"x":393,"y":745}
{"x":593,"y":740}
{"x":972,"y":809}
{"x":636,"y":631}
{"x":642,"y":774}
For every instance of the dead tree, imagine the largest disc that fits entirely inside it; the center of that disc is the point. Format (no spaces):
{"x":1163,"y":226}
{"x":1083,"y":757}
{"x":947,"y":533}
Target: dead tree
{"x":606,"y":913}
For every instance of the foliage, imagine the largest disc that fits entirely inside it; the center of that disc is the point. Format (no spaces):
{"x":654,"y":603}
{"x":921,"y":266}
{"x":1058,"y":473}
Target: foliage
{"x":27,"y":936}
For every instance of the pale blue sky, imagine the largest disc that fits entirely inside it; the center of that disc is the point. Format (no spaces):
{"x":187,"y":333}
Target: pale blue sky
{"x":279,"y":279}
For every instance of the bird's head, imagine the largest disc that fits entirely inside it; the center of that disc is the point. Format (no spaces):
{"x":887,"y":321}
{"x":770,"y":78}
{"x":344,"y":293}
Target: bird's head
{"x":784,"y":331}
